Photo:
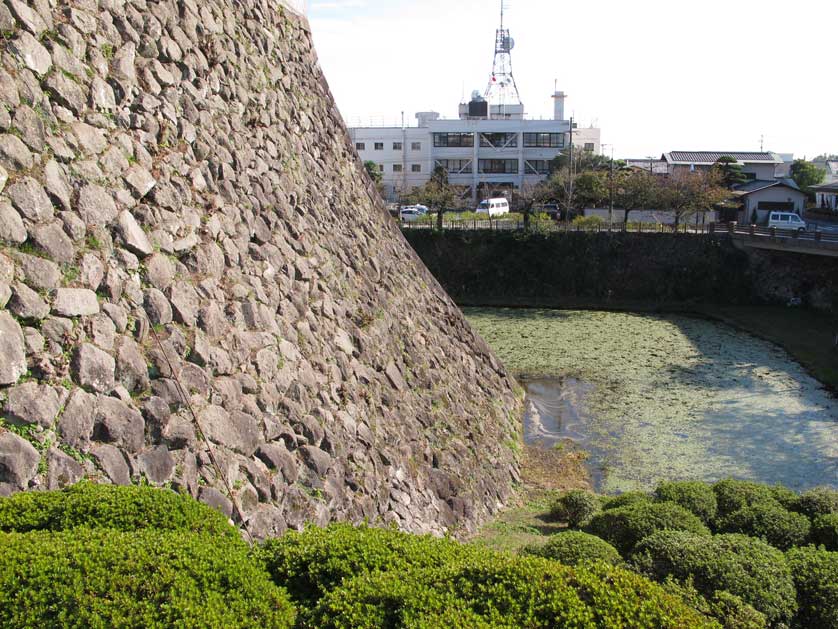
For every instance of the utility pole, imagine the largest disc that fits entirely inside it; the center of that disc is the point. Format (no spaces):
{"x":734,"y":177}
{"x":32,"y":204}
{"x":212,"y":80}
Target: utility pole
{"x":570,"y":176}
{"x":611,"y":192}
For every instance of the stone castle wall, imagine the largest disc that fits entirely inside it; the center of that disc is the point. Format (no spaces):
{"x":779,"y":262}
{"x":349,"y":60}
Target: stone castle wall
{"x":198,"y":290}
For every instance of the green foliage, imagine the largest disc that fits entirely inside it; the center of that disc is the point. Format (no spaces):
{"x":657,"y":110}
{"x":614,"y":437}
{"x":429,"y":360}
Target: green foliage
{"x":732,"y":495}
{"x":806,"y":174}
{"x":730,"y":610}
{"x":576,"y":507}
{"x":109,"y":506}
{"x":825,"y":531}
{"x":311,"y":563}
{"x":734,"y":613}
{"x":624,"y":527}
{"x":628,"y":498}
{"x":741,"y":565}
{"x":697,"y":498}
{"x":817,"y":501}
{"x":157,"y":579}
{"x":588,"y":222}
{"x":730,"y":171}
{"x":501,"y":591}
{"x":815,"y":575}
{"x":574,"y":547}
{"x":770,"y":522}
{"x":785,"y":496}
{"x":373,"y":171}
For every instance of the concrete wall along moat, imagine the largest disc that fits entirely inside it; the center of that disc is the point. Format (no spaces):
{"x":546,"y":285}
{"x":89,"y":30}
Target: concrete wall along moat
{"x":177,"y":171}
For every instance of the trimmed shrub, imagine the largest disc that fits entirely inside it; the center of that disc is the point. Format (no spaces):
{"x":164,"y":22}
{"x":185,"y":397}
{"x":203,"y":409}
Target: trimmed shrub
{"x":785,"y":496}
{"x":697,"y":498}
{"x":626,"y":499}
{"x":732,"y":495}
{"x":574,"y":547}
{"x":734,"y":613}
{"x":313,"y":562}
{"x":624,"y":527}
{"x":109,"y":506}
{"x":505,"y":592}
{"x":770,"y":522}
{"x":743,"y":566}
{"x":730,"y":610}
{"x":825,"y":531}
{"x":815,"y":575}
{"x":157,"y":579}
{"x":576,"y":507}
{"x":817,"y":501}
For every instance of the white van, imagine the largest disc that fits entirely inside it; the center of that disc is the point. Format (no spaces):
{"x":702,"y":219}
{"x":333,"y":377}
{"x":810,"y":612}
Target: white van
{"x":786,"y":220}
{"x":493,"y":207}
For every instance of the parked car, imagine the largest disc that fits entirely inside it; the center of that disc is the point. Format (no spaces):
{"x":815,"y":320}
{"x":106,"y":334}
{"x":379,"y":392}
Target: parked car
{"x":493,"y":207}
{"x":413,"y":213}
{"x":786,"y":220}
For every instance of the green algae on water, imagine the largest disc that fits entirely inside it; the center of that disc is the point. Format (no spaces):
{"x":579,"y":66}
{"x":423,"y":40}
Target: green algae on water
{"x":674,"y":397}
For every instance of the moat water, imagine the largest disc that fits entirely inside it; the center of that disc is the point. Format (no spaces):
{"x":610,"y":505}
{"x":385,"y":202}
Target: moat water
{"x":666,"y":397}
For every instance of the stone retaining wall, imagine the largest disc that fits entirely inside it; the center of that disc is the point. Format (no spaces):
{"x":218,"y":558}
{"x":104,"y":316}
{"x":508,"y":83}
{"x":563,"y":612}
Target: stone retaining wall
{"x":181,"y":210}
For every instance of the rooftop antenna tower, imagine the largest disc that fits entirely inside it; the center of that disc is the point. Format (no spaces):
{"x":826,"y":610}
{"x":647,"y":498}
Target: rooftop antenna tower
{"x":502,"y":89}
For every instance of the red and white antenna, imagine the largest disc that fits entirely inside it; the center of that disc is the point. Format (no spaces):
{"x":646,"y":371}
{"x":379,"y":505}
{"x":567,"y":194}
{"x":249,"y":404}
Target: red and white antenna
{"x":502,"y":88}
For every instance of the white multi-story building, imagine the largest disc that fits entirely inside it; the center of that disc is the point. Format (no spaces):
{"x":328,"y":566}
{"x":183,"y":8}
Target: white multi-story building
{"x":489,"y":149}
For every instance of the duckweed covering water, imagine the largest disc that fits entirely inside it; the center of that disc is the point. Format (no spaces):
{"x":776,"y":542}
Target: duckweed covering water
{"x":667,"y":398}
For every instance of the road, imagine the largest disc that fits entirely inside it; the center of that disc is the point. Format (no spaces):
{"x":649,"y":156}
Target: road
{"x":824,"y":226}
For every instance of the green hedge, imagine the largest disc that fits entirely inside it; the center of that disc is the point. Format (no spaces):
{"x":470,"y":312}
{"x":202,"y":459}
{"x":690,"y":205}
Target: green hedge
{"x":626,"y":499}
{"x":815,"y":574}
{"x":733,"y":495}
{"x":816,"y":502}
{"x":746,"y":567}
{"x":575,"y":507}
{"x":500,"y":591}
{"x":574,"y":547}
{"x":770,"y":522}
{"x":825,"y":531}
{"x":624,"y":527}
{"x":104,"y":578}
{"x":109,"y":506}
{"x":697,"y":498}
{"x":315,"y":561}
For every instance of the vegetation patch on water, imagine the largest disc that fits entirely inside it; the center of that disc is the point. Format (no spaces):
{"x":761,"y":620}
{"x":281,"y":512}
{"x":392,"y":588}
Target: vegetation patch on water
{"x":667,"y":397}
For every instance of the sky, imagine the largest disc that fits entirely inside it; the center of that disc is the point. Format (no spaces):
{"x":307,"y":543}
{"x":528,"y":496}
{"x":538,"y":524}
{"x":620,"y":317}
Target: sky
{"x":654,"y":75}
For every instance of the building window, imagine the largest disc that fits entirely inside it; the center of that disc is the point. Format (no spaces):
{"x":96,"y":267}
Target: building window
{"x":397,"y":146}
{"x":360,"y":146}
{"x":544,"y":140}
{"x":498,"y":166}
{"x":455,"y":166}
{"x":499,"y":140}
{"x":379,"y":146}
{"x":537,"y":167}
{"x":589,"y":146}
{"x":381,"y":168}
{"x":453,"y":140}
{"x":416,"y":168}
{"x":397,"y":168}
{"x":416,"y":146}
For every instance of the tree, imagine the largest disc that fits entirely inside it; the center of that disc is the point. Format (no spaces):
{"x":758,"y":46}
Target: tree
{"x":438,"y":194}
{"x":687,"y":193}
{"x":730,"y":172}
{"x":582,"y":161}
{"x":373,"y":171}
{"x":590,"y":189}
{"x":636,"y":190}
{"x":806,"y":174}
